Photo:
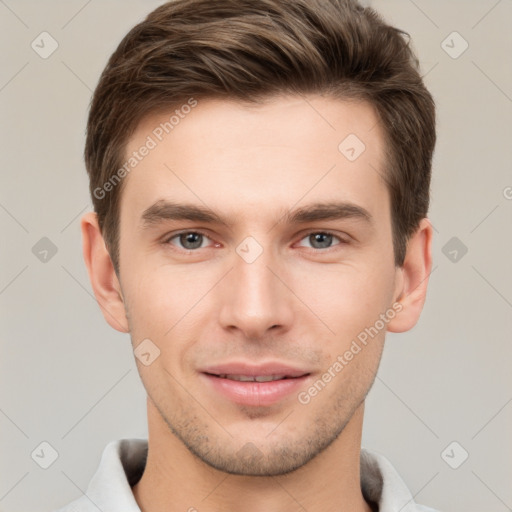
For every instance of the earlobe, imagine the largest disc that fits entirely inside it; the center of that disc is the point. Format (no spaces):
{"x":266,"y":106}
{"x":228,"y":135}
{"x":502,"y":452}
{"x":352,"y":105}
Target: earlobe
{"x":104,"y":281}
{"x":413,"y":278}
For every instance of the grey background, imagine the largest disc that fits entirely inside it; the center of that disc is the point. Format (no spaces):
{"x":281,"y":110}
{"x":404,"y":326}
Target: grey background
{"x":68,"y":379}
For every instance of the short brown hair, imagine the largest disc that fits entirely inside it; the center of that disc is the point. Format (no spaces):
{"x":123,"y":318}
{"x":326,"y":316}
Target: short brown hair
{"x":249,"y":50}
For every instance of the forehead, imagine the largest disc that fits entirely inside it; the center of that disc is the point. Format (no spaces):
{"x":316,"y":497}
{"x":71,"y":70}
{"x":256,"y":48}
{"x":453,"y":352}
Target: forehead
{"x":240,"y":158}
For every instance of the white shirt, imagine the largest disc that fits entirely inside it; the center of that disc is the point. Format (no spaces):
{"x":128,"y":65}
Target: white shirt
{"x":123,"y":462}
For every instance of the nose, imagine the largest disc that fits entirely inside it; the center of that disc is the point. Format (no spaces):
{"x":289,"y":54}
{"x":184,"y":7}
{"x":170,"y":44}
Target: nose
{"x":255,"y":298}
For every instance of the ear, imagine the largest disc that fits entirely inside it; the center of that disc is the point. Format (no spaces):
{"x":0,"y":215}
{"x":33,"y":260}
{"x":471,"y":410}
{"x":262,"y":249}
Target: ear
{"x":104,"y":281}
{"x":412,"y":278}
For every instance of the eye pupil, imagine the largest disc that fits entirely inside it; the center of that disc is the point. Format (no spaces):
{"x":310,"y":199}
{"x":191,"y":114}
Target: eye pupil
{"x":191,"y":240}
{"x":320,"y":240}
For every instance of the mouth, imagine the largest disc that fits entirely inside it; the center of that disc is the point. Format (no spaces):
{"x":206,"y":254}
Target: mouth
{"x":256,"y":386}
{"x":251,"y":378}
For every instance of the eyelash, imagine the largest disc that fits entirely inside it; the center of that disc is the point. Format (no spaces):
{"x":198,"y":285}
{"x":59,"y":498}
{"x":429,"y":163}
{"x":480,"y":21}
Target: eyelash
{"x":342,"y":241}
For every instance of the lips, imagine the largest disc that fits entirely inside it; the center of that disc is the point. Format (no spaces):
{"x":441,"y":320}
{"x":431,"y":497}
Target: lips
{"x":250,"y":378}
{"x":254,"y":385}
{"x":252,"y":370}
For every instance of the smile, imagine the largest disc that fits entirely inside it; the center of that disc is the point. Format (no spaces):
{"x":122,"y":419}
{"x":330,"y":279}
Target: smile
{"x":254,"y":385}
{"x":251,"y":378}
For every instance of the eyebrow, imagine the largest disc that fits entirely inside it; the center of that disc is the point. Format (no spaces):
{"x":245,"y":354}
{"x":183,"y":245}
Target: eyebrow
{"x":164,"y":210}
{"x":328,"y":211}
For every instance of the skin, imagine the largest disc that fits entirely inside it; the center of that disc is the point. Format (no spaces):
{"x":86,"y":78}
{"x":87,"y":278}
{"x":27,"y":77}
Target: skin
{"x":298,"y":303}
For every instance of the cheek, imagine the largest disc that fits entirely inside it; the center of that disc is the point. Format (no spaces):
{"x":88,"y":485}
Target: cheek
{"x":346,"y":298}
{"x":163,"y":302}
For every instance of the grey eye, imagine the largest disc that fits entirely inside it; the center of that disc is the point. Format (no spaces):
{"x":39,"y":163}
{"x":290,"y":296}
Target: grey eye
{"x":190,"y":241}
{"x":320,"y":240}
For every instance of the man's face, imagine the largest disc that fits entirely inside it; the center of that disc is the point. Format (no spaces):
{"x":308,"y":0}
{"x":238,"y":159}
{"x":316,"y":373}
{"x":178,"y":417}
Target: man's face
{"x":269,"y":290}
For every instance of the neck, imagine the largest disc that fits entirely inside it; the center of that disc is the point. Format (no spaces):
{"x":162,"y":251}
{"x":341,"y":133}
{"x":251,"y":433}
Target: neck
{"x":176,"y":480}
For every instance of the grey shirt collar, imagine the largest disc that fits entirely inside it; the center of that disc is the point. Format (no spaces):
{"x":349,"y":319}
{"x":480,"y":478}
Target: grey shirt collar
{"x":123,"y":462}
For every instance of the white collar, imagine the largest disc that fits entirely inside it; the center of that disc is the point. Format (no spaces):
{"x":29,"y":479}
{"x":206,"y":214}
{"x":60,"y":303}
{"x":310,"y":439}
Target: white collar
{"x":123,"y":462}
